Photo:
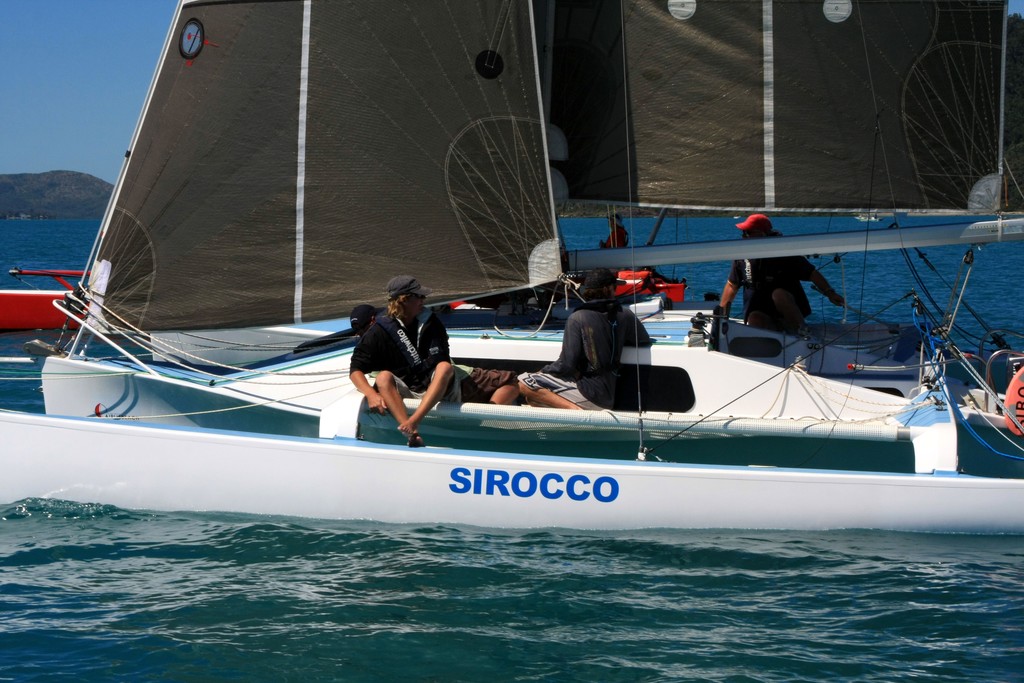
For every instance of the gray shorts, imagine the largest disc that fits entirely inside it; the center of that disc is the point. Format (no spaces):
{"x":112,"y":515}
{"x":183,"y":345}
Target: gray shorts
{"x":566,"y":388}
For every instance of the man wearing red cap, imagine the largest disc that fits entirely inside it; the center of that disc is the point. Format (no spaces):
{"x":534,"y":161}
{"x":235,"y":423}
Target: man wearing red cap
{"x":773,"y":297}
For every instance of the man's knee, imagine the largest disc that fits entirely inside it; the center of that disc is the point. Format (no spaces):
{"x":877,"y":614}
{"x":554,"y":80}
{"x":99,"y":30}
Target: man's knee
{"x":783,"y":297}
{"x":444,"y":371}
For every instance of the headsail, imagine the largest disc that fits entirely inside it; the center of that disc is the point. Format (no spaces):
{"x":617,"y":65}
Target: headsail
{"x":791,"y":104}
{"x":295,"y":155}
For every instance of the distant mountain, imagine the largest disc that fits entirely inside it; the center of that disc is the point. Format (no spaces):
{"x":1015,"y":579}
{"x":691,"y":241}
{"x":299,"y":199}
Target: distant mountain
{"x":55,"y":194}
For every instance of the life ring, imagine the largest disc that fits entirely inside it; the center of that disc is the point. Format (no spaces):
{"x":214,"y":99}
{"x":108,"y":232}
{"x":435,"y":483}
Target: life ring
{"x":1014,"y":402}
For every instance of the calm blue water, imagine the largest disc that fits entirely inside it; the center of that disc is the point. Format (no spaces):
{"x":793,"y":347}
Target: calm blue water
{"x":96,"y":593}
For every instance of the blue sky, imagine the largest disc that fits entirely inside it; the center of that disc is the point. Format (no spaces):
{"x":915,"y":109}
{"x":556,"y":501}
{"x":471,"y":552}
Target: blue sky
{"x":74,"y":77}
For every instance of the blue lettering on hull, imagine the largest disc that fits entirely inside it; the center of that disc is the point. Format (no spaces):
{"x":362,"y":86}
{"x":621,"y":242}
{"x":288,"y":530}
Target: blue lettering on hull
{"x":577,"y":487}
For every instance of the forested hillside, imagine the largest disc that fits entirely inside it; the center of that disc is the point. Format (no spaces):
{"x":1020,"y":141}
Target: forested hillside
{"x":55,"y":194}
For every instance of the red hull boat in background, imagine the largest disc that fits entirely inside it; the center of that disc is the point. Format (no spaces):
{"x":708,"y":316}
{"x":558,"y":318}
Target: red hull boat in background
{"x":32,"y":309}
{"x":651,"y":282}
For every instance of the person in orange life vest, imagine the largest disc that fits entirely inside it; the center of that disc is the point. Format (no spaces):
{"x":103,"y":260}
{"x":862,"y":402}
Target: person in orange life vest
{"x":773,"y":297}
{"x":408,"y":349}
{"x":617,"y":236}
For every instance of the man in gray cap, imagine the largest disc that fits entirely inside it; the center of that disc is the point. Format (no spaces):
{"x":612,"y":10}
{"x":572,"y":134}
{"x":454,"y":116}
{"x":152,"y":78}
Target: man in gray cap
{"x":408,"y":348}
{"x":585,"y":374}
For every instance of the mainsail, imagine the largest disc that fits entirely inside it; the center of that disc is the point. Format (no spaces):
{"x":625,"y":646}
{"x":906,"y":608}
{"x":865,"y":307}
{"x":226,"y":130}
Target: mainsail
{"x":295,"y":155}
{"x":784,"y":105}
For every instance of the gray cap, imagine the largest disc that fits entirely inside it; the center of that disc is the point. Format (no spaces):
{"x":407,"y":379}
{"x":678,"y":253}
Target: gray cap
{"x":405,"y":284}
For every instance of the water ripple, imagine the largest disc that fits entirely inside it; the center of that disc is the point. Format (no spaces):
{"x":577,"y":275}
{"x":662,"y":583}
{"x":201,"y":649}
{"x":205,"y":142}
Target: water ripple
{"x":102,"y":593}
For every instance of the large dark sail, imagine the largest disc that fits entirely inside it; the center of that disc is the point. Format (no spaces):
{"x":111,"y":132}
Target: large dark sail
{"x":791,"y":104}
{"x":294,"y":155}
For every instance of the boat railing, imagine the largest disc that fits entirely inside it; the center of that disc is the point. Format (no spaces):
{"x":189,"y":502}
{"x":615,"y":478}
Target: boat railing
{"x":58,"y":275}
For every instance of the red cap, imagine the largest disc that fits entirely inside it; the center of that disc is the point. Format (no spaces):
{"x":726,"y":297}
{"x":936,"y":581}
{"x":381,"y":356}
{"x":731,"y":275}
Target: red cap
{"x":757,"y":221}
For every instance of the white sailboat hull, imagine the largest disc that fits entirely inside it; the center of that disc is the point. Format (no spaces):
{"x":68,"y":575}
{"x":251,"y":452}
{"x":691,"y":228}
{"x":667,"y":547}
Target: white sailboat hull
{"x":136,"y":466}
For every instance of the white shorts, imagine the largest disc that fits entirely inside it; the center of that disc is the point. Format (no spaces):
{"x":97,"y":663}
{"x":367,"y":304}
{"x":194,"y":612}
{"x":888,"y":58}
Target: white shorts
{"x":566,"y":388}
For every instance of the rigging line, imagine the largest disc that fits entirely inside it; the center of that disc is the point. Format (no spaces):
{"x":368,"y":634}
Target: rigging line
{"x":878,"y":122}
{"x":1004,"y":44}
{"x":997,"y":339}
{"x":631,"y":202}
{"x":714,"y":413}
{"x":866,"y":316}
{"x":871,"y":181}
{"x":919,"y":281}
{"x":641,"y":449}
{"x":948,"y":310}
{"x":981,"y":440}
{"x":543,"y":322}
{"x":955,"y":407}
{"x":212,"y":411}
{"x":167,"y":352}
{"x":202,"y":342}
{"x":921,"y":285}
{"x":842,"y":280}
{"x":982,"y":382}
{"x":1009,"y":171}
{"x":499,"y":29}
{"x":791,"y":367}
{"x":963,"y":288}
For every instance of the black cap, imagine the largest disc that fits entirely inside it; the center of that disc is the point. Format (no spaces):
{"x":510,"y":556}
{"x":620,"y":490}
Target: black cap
{"x":405,"y":284}
{"x":361,"y":316}
{"x":601,"y":277}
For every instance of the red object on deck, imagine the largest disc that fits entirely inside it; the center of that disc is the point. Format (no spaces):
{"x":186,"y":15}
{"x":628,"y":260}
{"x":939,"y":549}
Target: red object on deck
{"x":650,"y":282}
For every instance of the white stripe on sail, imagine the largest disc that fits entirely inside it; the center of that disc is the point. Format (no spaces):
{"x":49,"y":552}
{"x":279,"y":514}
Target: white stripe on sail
{"x":769,"y":105}
{"x":300,"y":173}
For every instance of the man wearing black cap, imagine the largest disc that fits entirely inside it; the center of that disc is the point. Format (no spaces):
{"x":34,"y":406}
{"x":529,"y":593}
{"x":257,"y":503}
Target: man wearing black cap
{"x":773,"y":297}
{"x":585,"y":374}
{"x":408,"y":348}
{"x":361,"y":318}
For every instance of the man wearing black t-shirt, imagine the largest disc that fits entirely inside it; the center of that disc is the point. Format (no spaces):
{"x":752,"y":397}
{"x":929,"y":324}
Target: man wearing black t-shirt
{"x":408,"y":348}
{"x":773,"y":297}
